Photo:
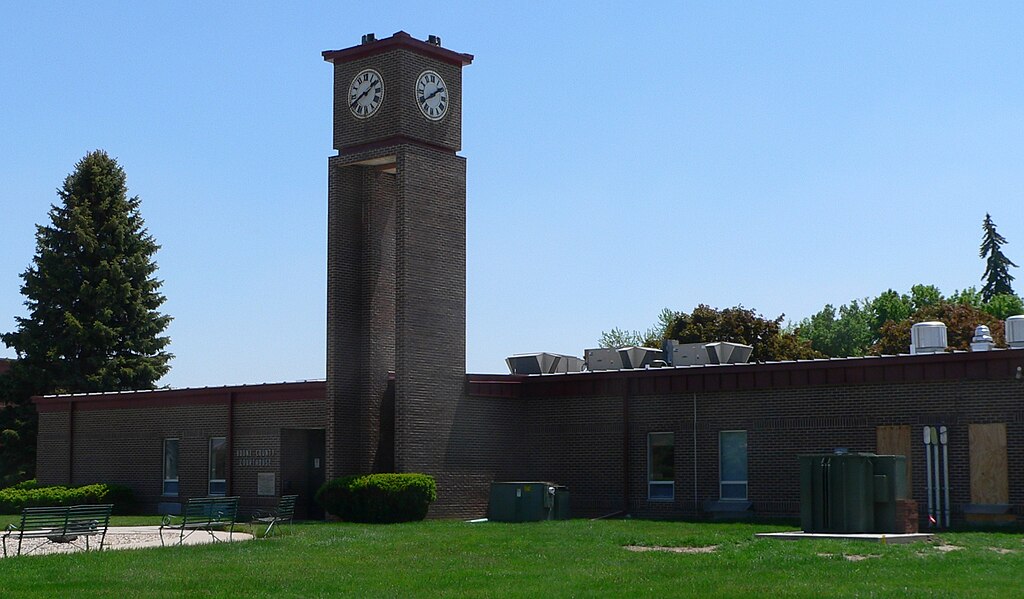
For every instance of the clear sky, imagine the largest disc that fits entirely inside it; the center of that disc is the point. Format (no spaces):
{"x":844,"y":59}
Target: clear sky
{"x":622,"y":157}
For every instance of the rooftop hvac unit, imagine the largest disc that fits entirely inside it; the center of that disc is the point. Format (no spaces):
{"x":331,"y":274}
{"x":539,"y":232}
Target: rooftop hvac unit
{"x":928,"y":338}
{"x":1015,"y":332}
{"x":723,"y":352}
{"x":638,"y":357}
{"x":685,"y":354}
{"x":543,"y":363}
{"x":693,"y":354}
{"x":602,"y":358}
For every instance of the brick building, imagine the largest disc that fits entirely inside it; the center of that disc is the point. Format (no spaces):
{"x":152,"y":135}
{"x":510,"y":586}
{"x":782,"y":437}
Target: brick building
{"x":663,"y":442}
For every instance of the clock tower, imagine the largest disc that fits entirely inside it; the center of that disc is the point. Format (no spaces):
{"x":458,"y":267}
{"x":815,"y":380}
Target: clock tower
{"x":396,"y":266}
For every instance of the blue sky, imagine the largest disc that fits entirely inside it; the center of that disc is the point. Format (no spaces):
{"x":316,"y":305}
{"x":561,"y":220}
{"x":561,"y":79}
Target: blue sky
{"x":621,"y":159}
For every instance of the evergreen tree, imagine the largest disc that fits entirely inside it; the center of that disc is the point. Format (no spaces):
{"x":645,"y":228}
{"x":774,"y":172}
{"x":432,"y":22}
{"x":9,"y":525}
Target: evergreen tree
{"x":92,"y":298}
{"x":997,"y":276}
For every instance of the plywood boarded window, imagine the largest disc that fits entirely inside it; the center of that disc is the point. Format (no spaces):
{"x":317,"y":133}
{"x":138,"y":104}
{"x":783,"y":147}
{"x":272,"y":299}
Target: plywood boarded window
{"x":989,"y":483}
{"x":895,"y":440}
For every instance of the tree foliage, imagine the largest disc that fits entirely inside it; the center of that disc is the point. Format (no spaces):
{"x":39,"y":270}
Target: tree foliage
{"x":92,"y":299}
{"x":960,"y":320}
{"x":997,"y":276}
{"x":848,"y":332}
{"x":740,"y":325}
{"x":652,"y":337}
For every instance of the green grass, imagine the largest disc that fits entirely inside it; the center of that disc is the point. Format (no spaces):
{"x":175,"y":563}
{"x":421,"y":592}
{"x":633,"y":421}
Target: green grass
{"x":551,"y":559}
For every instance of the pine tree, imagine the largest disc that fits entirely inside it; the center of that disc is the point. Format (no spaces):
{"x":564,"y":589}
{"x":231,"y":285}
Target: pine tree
{"x":997,"y":277}
{"x":92,"y":299}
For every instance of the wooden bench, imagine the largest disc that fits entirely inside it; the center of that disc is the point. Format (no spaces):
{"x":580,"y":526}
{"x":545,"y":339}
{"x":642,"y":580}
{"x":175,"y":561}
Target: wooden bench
{"x":62,"y":524}
{"x":203,"y":513}
{"x":283,"y":514}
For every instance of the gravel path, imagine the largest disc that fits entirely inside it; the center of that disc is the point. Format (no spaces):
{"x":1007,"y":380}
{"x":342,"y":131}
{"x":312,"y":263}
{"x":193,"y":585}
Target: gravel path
{"x":120,"y":537}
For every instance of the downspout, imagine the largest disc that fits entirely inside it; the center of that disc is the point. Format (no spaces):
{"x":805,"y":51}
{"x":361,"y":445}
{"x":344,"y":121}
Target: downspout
{"x":71,"y":442}
{"x":696,"y":500}
{"x":625,"y":446}
{"x":230,"y":443}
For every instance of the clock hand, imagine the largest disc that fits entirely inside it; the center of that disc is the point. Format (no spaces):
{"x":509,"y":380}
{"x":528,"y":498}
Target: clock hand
{"x":436,"y":91}
{"x":365,"y":92}
{"x":361,"y":96}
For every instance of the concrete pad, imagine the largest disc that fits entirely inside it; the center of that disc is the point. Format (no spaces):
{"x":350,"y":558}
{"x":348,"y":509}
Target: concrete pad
{"x":872,"y":537}
{"x":124,"y":537}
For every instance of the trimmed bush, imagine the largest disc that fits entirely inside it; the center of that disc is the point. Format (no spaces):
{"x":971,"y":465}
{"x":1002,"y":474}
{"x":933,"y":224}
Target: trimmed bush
{"x":30,"y":494}
{"x":378,"y":498}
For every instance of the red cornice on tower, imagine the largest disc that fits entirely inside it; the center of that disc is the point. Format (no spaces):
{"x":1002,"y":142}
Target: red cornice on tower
{"x":400,"y":39}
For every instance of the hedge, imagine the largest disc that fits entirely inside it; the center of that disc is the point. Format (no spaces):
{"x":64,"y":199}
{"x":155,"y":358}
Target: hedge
{"x":30,"y":494}
{"x":378,"y":498}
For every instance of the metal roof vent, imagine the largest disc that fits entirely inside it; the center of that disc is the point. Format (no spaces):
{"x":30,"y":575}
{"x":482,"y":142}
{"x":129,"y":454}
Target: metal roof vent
{"x":928,"y":338}
{"x":543,"y":363}
{"x":982,"y":340}
{"x":1015,"y":331}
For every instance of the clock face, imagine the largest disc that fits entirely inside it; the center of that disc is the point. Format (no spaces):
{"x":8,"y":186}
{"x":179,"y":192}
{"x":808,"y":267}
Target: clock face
{"x":366,"y":93}
{"x":432,"y":95}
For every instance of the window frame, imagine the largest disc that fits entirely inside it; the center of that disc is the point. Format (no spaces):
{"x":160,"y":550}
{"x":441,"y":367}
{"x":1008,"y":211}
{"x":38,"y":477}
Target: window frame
{"x":222,"y":483}
{"x":722,"y":482}
{"x":175,"y":482}
{"x":660,"y":484}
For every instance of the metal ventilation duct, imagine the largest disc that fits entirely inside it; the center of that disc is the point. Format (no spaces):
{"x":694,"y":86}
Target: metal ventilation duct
{"x":543,"y":363}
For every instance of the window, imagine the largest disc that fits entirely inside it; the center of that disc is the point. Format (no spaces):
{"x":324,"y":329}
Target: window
{"x":218,"y":465}
{"x":661,"y":466}
{"x":170,"y":467}
{"x":732,"y":468}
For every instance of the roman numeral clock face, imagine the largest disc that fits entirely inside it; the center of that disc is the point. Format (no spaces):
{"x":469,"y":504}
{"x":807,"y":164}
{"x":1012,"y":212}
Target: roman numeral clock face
{"x":366,"y":93}
{"x":432,"y":95}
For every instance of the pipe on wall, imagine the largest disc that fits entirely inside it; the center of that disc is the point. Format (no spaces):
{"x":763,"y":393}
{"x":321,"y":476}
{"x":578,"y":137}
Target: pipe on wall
{"x":626,"y":394}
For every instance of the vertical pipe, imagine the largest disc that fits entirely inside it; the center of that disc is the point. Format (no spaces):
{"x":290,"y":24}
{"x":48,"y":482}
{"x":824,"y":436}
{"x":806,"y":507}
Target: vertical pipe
{"x":696,"y":499}
{"x":943,"y":439}
{"x":928,"y":475}
{"x":938,"y":475}
{"x":230,"y":444}
{"x":625,"y":448}
{"x":71,"y":441}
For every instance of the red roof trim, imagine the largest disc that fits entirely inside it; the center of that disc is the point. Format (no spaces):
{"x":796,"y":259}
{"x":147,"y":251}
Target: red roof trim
{"x":401,"y":40}
{"x":740,"y":377}
{"x":162,"y":398}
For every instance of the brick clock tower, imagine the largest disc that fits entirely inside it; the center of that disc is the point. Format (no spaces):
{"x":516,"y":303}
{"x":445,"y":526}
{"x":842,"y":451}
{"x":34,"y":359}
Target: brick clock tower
{"x":396,"y":264}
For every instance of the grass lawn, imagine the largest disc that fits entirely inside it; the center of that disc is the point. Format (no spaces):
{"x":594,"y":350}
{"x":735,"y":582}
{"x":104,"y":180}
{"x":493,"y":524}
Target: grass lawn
{"x":544,"y":559}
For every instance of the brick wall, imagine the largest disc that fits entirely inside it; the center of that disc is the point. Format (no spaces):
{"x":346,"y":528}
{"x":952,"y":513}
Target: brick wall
{"x":578,"y":440}
{"x":118,"y":438}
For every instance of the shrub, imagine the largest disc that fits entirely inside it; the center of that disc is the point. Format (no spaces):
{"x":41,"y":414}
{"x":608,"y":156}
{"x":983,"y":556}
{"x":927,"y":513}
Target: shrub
{"x":30,"y":494}
{"x":378,"y":497}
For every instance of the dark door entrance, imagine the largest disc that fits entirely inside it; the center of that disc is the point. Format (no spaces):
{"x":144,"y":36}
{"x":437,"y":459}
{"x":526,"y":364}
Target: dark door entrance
{"x":302,"y":469}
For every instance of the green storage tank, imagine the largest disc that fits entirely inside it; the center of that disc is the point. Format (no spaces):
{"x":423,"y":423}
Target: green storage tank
{"x":850,"y":493}
{"x":528,"y":502}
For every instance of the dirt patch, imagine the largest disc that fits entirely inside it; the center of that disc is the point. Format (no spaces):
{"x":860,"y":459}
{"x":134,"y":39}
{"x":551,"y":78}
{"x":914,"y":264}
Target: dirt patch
{"x":947,"y":548}
{"x":708,"y":549}
{"x":851,"y":557}
{"x":1002,"y":550}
